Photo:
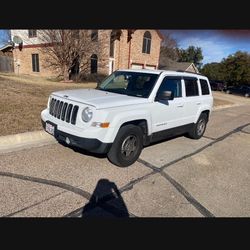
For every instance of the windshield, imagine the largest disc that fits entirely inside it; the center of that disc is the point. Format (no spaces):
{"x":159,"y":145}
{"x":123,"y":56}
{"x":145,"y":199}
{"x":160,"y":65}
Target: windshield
{"x":129,"y":83}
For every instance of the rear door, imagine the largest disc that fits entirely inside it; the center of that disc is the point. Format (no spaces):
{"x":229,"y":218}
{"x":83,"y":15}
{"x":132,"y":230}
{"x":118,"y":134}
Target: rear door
{"x":192,"y":99}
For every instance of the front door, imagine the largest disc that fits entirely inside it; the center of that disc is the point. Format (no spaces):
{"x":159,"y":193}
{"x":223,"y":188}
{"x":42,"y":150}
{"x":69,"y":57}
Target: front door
{"x":169,"y":114}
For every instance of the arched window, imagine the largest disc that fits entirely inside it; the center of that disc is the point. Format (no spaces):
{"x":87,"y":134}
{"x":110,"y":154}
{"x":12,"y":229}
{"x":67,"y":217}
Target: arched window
{"x":93,"y":64}
{"x":146,"y":45}
{"x":94,"y":35}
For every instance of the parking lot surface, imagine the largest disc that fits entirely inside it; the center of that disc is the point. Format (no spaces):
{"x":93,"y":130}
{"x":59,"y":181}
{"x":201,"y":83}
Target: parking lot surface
{"x":179,"y":177}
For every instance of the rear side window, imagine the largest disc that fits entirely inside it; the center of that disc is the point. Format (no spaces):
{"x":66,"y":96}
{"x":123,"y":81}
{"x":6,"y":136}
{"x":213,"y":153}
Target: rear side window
{"x":191,"y":87}
{"x":204,"y":87}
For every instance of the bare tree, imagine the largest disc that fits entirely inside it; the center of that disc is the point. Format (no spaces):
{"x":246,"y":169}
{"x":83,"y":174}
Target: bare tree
{"x":168,"y":51}
{"x":70,"y":50}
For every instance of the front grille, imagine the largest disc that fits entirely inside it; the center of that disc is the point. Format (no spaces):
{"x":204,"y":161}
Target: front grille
{"x":63,"y":110}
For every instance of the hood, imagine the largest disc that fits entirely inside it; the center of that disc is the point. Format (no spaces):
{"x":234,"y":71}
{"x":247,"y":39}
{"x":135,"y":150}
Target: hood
{"x":98,"y":98}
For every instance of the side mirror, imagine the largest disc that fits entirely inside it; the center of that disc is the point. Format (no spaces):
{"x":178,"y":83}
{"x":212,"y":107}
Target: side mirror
{"x":164,"y":96}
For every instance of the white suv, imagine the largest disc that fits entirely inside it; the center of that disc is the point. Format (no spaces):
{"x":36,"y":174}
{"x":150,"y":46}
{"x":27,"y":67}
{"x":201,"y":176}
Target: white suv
{"x":129,"y":110}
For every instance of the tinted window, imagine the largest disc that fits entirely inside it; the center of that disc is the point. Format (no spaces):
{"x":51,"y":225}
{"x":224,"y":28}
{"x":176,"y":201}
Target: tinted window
{"x":191,"y":87}
{"x":204,"y":87}
{"x":171,"y":84}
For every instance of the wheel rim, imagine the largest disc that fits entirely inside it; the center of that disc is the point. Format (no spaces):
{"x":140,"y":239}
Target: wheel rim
{"x":129,"y":145}
{"x":201,"y":127}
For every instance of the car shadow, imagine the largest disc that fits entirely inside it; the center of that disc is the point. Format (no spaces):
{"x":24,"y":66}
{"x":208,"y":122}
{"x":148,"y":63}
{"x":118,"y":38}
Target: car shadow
{"x":169,"y":138}
{"x":106,"y":201}
{"x":82,"y":151}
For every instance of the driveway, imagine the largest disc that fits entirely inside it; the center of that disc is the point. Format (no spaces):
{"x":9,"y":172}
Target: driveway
{"x":176,"y":178}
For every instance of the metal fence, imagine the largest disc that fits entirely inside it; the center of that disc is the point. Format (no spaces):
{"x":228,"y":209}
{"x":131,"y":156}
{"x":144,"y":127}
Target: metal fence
{"x":6,"y":64}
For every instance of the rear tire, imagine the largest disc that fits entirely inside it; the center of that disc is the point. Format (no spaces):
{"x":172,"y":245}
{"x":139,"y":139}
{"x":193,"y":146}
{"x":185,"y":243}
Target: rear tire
{"x":199,"y":128}
{"x":127,"y":146}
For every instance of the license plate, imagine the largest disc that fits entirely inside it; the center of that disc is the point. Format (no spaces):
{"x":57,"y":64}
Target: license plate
{"x":50,"y":128}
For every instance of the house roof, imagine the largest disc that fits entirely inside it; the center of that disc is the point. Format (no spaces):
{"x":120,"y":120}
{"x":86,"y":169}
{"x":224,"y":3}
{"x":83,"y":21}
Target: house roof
{"x":160,"y":34}
{"x":178,"y":66}
{"x":6,"y":46}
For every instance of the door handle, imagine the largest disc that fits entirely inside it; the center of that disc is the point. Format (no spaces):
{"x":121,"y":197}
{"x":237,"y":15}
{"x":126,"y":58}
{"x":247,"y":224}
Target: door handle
{"x":198,"y":103}
{"x":180,"y":105}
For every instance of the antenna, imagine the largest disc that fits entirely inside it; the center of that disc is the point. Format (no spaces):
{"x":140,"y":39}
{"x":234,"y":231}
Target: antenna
{"x":17,"y":39}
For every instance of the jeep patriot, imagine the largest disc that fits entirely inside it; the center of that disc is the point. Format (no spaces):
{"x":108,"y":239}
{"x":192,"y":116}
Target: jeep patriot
{"x":129,"y":110}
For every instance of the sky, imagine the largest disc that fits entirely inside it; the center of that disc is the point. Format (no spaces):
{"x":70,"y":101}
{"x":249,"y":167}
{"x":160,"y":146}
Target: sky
{"x":3,"y":37}
{"x":215,"y":44}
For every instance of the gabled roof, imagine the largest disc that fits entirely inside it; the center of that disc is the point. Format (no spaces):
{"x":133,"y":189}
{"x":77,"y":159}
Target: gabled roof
{"x":172,"y":65}
{"x":160,"y":34}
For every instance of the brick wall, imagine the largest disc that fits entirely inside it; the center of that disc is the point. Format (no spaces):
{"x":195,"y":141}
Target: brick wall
{"x":136,"y":48}
{"x":121,"y":56}
{"x":24,"y":58}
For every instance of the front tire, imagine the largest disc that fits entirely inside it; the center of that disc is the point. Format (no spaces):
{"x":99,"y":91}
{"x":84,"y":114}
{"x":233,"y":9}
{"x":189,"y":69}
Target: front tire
{"x":127,"y":146}
{"x":199,"y":127}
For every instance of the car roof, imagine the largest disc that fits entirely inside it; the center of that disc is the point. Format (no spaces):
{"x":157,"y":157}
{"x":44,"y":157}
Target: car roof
{"x":170,"y":72}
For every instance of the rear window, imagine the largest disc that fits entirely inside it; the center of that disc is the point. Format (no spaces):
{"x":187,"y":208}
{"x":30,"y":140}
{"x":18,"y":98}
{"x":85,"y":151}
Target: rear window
{"x":204,"y":87}
{"x":191,"y":87}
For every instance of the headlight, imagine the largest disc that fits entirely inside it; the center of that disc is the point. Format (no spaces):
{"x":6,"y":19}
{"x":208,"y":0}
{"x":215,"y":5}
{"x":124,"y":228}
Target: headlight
{"x":87,"y":114}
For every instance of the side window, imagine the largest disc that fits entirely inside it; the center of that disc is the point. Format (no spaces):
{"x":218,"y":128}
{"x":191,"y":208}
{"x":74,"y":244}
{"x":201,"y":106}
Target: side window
{"x":204,"y":87}
{"x":191,"y":87}
{"x":171,"y":84}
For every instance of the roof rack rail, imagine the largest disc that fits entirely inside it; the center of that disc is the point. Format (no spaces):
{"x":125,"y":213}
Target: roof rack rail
{"x":184,"y":71}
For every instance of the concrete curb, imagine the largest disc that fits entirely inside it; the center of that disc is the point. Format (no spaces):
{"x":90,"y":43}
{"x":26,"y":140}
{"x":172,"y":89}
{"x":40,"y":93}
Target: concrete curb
{"x":20,"y":141}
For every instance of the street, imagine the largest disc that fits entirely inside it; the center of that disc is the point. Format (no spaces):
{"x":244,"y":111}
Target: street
{"x":179,"y":177}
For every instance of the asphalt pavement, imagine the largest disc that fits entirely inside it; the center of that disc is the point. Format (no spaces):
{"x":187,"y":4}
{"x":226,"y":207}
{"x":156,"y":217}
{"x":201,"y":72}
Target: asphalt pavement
{"x":179,"y":177}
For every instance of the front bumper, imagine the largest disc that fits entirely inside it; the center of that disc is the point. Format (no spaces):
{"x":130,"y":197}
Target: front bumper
{"x":91,"y":145}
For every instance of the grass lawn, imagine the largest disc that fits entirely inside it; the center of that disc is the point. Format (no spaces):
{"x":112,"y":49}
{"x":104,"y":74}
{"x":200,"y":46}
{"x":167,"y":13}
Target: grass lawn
{"x":22,"y":98}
